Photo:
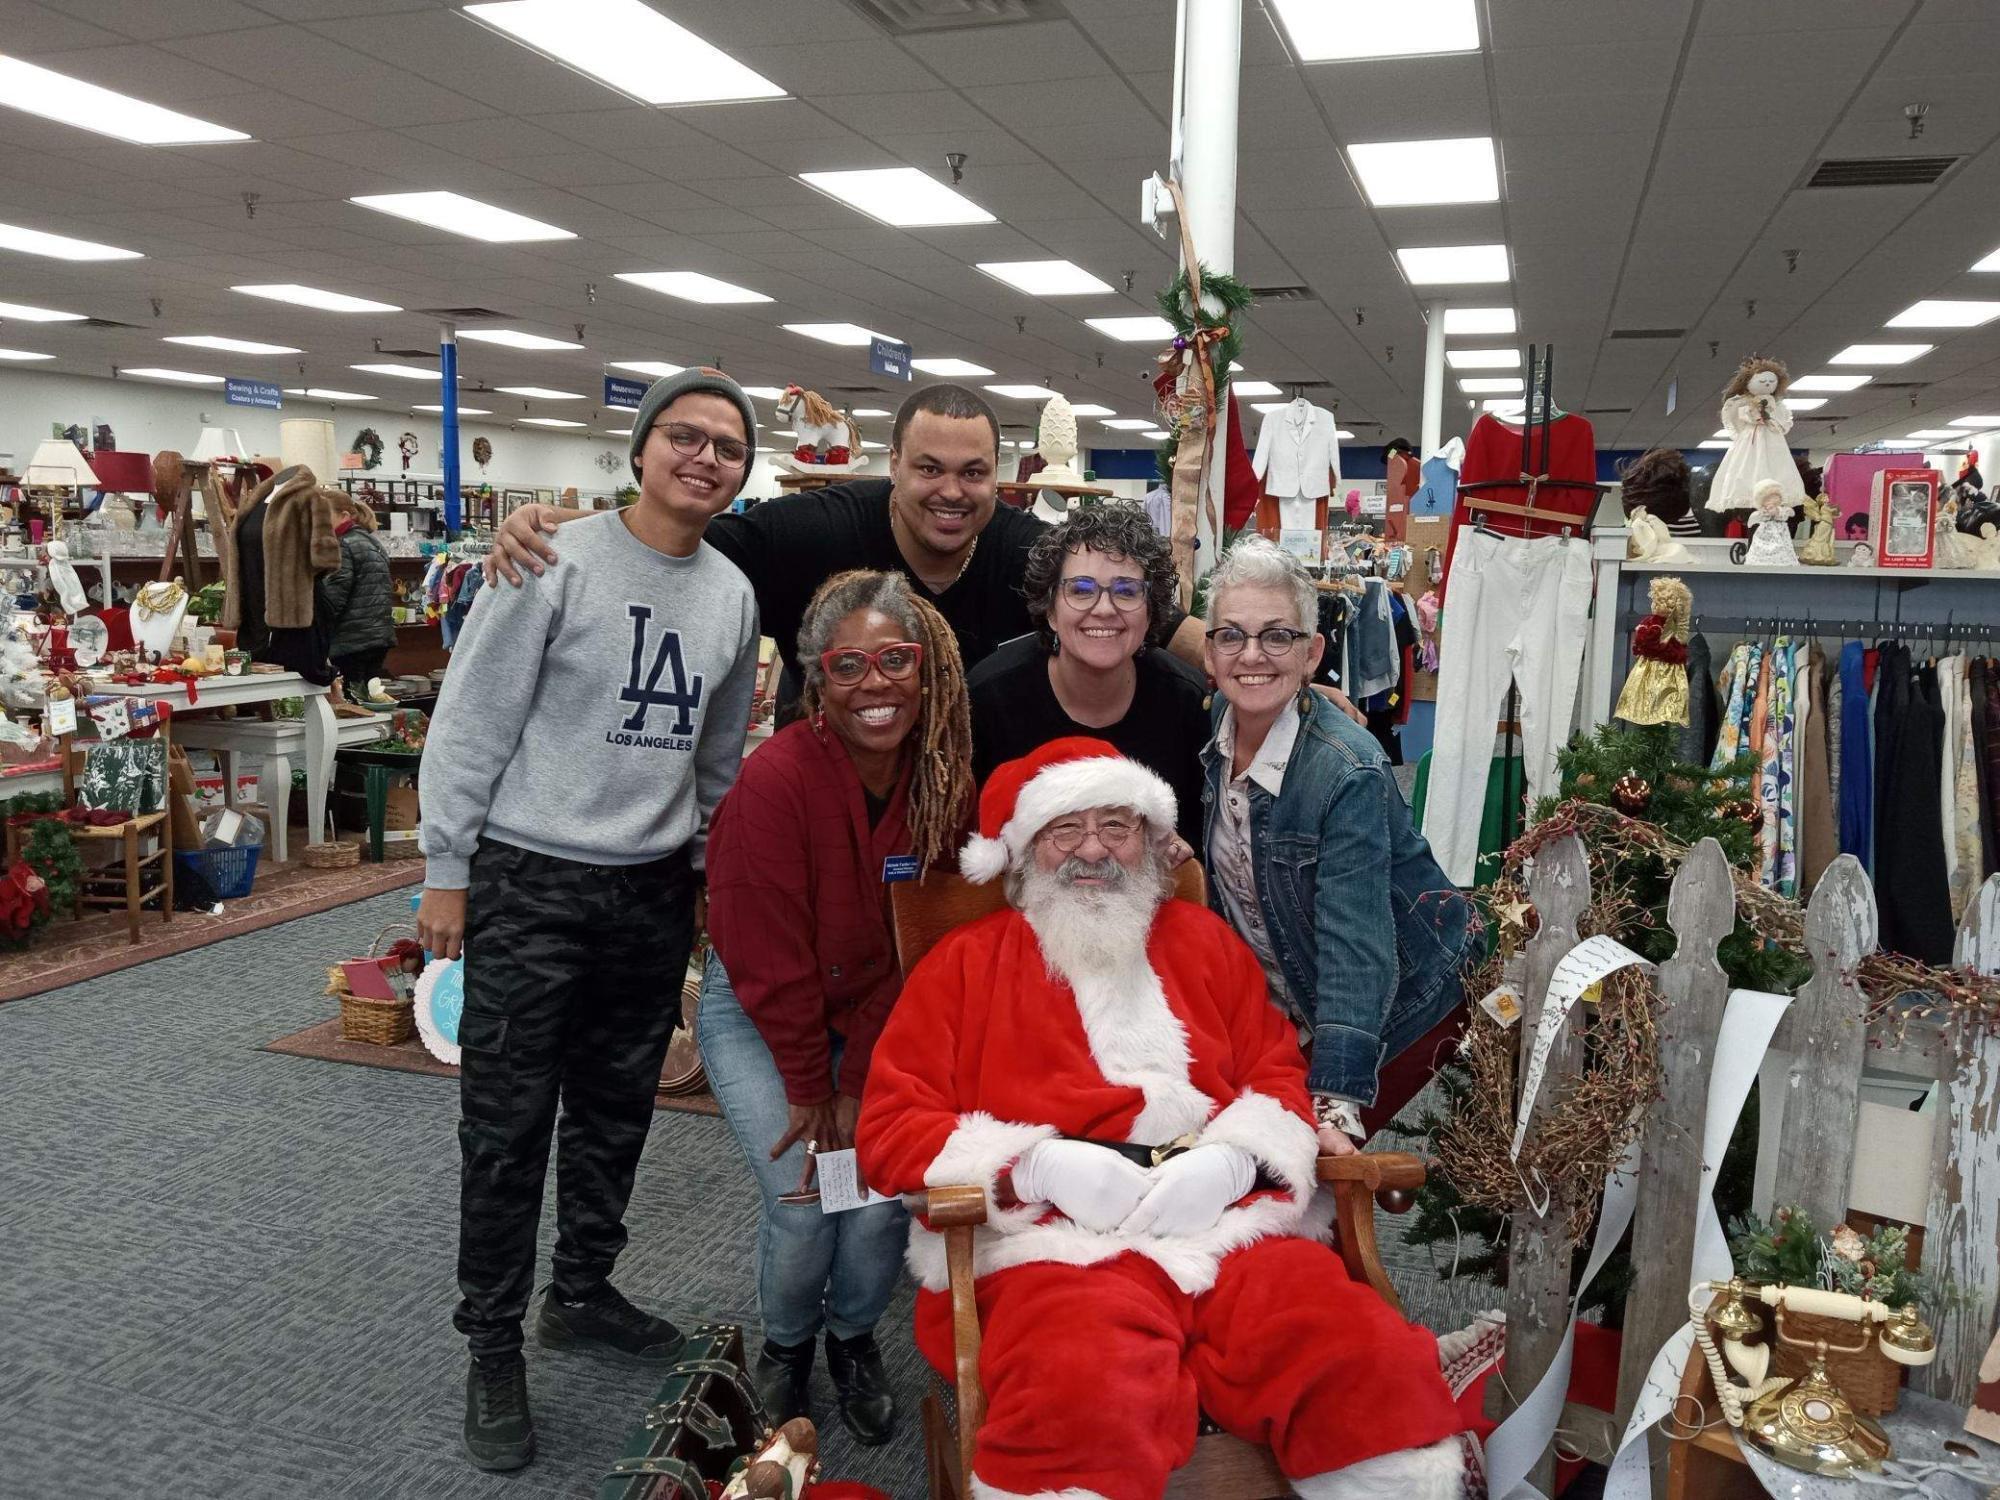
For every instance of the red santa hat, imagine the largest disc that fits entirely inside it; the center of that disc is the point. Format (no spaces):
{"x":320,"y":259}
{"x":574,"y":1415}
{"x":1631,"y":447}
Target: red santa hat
{"x":1022,"y":797}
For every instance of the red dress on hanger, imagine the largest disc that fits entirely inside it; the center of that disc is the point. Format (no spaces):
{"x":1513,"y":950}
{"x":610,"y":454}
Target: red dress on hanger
{"x":1493,"y":452}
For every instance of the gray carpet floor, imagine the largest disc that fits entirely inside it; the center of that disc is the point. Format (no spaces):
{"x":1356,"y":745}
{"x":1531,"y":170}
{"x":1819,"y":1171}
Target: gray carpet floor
{"x":226,"y":1273}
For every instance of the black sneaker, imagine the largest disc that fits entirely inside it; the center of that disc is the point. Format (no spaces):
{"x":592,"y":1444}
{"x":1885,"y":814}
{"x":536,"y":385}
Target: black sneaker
{"x":499,"y":1433}
{"x":867,"y":1406}
{"x":783,"y":1374}
{"x":607,"y":1321}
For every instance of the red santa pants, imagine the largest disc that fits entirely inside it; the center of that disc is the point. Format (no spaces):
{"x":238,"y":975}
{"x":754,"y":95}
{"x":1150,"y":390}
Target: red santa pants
{"x":1094,"y":1374}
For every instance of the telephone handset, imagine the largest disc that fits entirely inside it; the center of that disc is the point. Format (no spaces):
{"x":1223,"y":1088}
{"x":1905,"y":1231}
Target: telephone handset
{"x":1807,"y":1424}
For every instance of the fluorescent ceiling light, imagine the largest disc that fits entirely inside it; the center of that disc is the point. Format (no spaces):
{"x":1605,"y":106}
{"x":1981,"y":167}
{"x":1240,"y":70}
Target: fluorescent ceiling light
{"x":229,"y":346}
{"x":1090,"y":409}
{"x":457,"y":214}
{"x":616,"y":431}
{"x":629,"y":46}
{"x":949,"y":368}
{"x":870,"y":411}
{"x":1830,"y":382}
{"x":692,"y":286}
{"x":1323,"y":32}
{"x":1945,"y":313}
{"x":1396,"y":174}
{"x":312,"y":296}
{"x":1342,"y":432}
{"x":1712,"y":443}
{"x":512,"y":338}
{"x":1477,"y":320}
{"x":22,"y":354}
{"x":1720,"y":432}
{"x":319,"y":393}
{"x":1483,"y":359}
{"x":870,"y":444}
{"x":1045,"y":278}
{"x":59,"y":246}
{"x":1139,"y":330}
{"x":550,"y":422}
{"x":71,"y":101}
{"x":901,"y":196}
{"x":764,"y":392}
{"x":1989,"y":263}
{"x":463,"y":411}
{"x":1454,"y":265}
{"x":1128,"y":424}
{"x":1157,"y":434}
{"x":659,"y":369}
{"x":1959,"y":422}
{"x":1880,"y":354}
{"x":400,"y":372}
{"x":1804,"y":403}
{"x":21,"y":312}
{"x":1504,"y":406}
{"x":1932,"y":434}
{"x":1255,"y":388}
{"x":847,"y":335}
{"x":1490,"y":383}
{"x":539,"y":393}
{"x":1269,"y":406}
{"x":183,"y":377}
{"x":1023,"y":392}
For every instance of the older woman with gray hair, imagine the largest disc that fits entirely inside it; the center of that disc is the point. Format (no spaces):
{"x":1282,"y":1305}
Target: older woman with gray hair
{"x":1100,"y":588}
{"x":1311,"y":853}
{"x":872,"y":786}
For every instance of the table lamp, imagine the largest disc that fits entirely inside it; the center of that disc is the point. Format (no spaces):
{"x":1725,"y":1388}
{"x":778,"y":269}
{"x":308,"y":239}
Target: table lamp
{"x":58,"y":464}
{"x":218,"y":443}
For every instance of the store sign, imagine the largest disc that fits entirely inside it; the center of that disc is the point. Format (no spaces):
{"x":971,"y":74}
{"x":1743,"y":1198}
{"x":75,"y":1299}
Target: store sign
{"x":887,"y":357}
{"x":253,"y":393}
{"x":625,"y":393}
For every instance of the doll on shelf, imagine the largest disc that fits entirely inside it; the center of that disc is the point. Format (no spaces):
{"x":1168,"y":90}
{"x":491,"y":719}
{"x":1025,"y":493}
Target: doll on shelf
{"x":1755,"y":416}
{"x":1818,"y":548}
{"x":1771,"y":529}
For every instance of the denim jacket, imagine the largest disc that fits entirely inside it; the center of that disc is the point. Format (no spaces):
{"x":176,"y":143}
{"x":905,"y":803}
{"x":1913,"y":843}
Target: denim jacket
{"x":1371,"y":936}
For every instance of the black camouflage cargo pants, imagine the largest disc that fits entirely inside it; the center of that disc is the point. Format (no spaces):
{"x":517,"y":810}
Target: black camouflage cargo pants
{"x":573,"y":978}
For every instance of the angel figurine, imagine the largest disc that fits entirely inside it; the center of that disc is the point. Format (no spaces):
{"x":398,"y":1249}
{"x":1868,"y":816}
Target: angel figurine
{"x":1771,"y":529}
{"x":1651,"y":541}
{"x":1818,"y":548}
{"x":1756,"y":418}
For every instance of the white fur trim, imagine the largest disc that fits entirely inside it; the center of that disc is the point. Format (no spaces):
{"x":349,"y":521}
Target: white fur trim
{"x":982,"y":859}
{"x":1077,"y":786}
{"x":975,"y":1153}
{"x":1137,"y":1040}
{"x":981,"y":1490}
{"x":1433,"y":1473}
{"x":1279,"y":1139}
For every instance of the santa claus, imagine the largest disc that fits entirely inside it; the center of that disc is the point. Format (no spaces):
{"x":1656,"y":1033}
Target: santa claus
{"x":1103,"y":1060}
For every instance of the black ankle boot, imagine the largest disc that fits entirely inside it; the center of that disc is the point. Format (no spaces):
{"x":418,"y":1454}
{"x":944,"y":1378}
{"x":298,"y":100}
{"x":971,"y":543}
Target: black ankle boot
{"x":783,"y":1376}
{"x":867,"y":1406}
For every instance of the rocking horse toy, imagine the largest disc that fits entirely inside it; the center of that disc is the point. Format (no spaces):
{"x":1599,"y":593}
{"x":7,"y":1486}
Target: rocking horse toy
{"x":822,"y":437}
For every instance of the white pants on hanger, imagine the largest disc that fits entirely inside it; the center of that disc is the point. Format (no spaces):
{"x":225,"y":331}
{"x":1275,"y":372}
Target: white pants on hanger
{"x":1515,"y":610}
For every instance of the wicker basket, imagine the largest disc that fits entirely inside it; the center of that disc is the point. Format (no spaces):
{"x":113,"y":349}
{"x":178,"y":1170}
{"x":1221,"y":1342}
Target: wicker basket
{"x":330,"y":856}
{"x":1870,"y":1380}
{"x":385,"y":1023}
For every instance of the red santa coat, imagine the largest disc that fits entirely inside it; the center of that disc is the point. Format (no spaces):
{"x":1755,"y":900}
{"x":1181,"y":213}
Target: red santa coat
{"x":986,"y":1054}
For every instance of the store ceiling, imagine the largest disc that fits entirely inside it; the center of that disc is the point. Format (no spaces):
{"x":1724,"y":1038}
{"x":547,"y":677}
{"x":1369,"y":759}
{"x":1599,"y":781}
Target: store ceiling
{"x":1652,"y":153}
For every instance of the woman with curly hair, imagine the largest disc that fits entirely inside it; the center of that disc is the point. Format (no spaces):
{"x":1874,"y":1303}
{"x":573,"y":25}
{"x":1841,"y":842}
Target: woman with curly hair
{"x":872,"y":786}
{"x":1100,"y":588}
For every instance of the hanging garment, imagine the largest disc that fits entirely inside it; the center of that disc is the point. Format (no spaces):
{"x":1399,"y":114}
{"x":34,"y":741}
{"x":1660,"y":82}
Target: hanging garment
{"x":1968,"y":859}
{"x":1336,"y":609}
{"x":1493,"y":462}
{"x":1404,"y":475}
{"x":1951,"y":679}
{"x":1372,"y":641}
{"x":1834,"y":698}
{"x":1438,"y":492}
{"x":1990,"y":813}
{"x":1737,"y":675}
{"x":1818,"y":841}
{"x":1696,"y":740}
{"x":1775,"y":699}
{"x":1158,"y":505}
{"x":1517,"y":614}
{"x":1979,"y":685}
{"x":1911,"y":892}
{"x":1297,"y":452}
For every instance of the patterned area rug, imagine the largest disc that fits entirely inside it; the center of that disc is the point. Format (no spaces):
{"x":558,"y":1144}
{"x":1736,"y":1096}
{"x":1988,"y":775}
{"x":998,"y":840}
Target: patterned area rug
{"x":68,"y":952}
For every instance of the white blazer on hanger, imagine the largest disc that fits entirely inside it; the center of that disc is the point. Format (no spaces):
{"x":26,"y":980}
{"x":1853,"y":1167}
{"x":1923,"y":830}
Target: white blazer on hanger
{"x":1297,"y":453}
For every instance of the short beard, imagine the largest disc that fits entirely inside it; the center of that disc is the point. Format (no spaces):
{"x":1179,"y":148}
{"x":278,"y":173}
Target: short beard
{"x":1088,"y":932}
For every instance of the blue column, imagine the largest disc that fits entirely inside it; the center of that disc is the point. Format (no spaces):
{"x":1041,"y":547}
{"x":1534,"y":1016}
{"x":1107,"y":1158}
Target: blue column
{"x":448,"y":372}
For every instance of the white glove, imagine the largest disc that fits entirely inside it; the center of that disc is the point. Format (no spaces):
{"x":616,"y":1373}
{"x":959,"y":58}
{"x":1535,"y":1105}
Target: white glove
{"x":1191,"y":1191}
{"x":1085,"y":1183}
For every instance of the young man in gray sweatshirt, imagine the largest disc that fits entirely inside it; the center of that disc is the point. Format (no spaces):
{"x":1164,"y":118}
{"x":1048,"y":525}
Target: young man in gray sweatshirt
{"x":589,"y":725}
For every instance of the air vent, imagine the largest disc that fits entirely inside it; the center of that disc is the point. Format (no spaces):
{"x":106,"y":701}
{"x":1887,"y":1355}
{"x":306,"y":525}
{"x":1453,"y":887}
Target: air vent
{"x":1900,"y":385}
{"x":1648,"y":333}
{"x":1608,"y":411}
{"x":1282,"y":293}
{"x":913,"y":17}
{"x":460,"y":315}
{"x":855,"y":390}
{"x":101,"y":323}
{"x":430,"y":353}
{"x":1881,"y":171}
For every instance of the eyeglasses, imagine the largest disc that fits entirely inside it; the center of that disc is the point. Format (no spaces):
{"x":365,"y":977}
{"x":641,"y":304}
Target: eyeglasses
{"x":849,"y":664}
{"x":688,"y":441}
{"x":1127,"y":594}
{"x":1068,"y":835}
{"x":1276,"y":640}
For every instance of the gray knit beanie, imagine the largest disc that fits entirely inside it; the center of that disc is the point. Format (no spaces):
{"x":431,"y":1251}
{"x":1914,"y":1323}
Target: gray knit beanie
{"x":663,"y":392}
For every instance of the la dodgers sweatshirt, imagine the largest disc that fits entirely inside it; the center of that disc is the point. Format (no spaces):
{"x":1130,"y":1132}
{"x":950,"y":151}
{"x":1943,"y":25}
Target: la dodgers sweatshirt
{"x":597,"y":712}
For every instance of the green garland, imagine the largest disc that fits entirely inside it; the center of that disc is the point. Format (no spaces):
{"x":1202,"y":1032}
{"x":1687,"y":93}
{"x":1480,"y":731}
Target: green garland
{"x":49,"y":849}
{"x":1225,"y":292}
{"x":368,"y":443}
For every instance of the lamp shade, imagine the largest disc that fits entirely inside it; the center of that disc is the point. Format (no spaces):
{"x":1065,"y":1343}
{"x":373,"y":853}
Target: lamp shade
{"x":218,"y":442}
{"x":125,"y":473}
{"x":58,"y":461}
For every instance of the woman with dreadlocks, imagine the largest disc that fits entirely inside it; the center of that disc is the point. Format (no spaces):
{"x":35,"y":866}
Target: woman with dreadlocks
{"x":873,"y":785}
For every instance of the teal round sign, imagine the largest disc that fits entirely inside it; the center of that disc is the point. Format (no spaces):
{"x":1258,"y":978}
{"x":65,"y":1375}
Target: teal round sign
{"x":448,"y":1000}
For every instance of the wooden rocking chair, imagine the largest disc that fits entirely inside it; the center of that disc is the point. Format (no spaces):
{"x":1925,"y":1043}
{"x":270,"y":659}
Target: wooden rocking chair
{"x":1223,"y":1467}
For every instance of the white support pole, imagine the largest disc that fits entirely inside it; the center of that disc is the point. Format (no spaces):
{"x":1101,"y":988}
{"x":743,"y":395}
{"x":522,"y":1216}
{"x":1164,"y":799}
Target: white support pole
{"x":1211,"y":54}
{"x":1433,"y":431}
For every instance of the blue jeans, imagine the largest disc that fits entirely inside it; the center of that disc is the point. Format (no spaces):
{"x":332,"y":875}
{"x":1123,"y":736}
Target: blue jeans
{"x":813,"y":1269}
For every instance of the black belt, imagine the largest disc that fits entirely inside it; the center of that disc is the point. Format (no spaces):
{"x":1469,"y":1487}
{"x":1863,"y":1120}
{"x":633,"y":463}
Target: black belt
{"x":1140,"y":1156}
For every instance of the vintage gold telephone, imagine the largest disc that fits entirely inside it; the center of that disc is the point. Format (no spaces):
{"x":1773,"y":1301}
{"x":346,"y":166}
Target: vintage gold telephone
{"x":1806,"y":1424}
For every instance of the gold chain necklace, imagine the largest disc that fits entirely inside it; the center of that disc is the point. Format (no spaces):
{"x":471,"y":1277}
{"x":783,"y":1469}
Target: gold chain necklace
{"x":158,"y":598}
{"x":936,"y":588}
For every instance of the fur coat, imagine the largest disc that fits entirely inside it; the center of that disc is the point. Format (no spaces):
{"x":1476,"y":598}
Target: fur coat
{"x":299,"y":545}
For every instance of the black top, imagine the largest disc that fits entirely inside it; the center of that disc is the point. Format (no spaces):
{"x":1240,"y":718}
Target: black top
{"x":788,"y":547}
{"x":1014,"y":710}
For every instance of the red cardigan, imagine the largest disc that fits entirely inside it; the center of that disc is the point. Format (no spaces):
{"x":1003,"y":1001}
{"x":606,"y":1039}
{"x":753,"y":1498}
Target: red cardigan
{"x":798,"y":911}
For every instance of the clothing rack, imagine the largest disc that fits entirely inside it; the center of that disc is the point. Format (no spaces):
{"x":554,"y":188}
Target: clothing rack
{"x":1907,"y":630}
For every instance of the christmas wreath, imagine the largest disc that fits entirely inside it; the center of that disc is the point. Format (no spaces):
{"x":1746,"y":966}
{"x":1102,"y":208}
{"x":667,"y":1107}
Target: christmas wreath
{"x":482,"y":451}
{"x":368,"y":443}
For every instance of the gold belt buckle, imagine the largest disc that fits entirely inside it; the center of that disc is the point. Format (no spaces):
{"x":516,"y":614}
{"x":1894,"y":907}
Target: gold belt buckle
{"x":1179,"y":1146}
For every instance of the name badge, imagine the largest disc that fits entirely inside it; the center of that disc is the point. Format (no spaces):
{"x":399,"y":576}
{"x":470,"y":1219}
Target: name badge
{"x":899,"y":867}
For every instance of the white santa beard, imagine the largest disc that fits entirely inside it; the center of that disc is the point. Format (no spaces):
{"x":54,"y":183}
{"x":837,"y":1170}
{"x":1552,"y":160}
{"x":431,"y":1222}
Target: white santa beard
{"x":1091,"y":932}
